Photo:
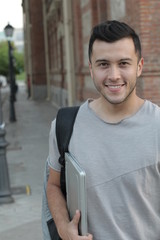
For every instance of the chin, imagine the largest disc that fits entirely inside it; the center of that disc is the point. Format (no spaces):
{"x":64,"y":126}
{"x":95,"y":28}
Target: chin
{"x":115,"y":101}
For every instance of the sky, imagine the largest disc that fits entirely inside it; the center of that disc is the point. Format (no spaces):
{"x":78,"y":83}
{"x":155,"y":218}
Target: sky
{"x":11,"y":12}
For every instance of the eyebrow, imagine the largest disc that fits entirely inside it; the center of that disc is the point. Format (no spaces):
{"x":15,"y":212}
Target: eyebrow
{"x":105,"y":60}
{"x":126,"y":59}
{"x":101,"y":60}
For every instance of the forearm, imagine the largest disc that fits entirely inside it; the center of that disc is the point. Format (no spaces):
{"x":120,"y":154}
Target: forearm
{"x":58,"y":208}
{"x":67,"y":229}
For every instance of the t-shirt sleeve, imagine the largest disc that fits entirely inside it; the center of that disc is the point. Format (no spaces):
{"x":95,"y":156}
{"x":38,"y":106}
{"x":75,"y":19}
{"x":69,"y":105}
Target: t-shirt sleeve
{"x":53,"y":149}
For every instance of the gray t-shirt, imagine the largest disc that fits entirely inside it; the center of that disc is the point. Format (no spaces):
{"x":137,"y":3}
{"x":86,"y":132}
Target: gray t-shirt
{"x":122,"y":163}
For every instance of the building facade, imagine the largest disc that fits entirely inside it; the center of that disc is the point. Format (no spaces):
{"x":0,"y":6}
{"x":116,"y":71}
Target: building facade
{"x":56,"y":35}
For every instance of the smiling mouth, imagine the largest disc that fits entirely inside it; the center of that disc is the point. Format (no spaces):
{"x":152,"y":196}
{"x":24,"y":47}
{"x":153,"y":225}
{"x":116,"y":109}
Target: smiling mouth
{"x":114,"y":87}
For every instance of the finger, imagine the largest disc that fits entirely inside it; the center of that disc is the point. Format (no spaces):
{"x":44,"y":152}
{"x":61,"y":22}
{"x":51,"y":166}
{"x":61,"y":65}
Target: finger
{"x":90,"y":236}
{"x":76,"y":217}
{"x":87,"y":237}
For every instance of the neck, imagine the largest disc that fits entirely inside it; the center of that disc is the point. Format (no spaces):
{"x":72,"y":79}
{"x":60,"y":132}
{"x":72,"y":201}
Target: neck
{"x":114,"y":113}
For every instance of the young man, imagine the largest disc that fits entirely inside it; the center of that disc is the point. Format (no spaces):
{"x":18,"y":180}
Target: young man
{"x":116,"y":139}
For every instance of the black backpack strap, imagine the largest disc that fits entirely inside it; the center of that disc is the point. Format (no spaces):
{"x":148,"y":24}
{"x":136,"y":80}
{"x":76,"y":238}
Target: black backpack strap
{"x":64,"y":127}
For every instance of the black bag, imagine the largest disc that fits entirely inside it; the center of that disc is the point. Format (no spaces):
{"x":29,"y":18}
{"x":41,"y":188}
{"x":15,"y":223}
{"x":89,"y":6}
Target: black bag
{"x":64,"y":127}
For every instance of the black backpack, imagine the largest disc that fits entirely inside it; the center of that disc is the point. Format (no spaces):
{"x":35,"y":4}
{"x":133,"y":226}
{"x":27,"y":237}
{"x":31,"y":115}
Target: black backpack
{"x":64,"y":126}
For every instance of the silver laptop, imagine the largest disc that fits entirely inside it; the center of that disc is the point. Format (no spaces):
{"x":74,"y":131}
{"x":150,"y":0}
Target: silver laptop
{"x":76,"y":191}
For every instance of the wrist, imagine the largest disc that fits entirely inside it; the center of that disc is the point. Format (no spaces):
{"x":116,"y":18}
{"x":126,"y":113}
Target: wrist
{"x":62,"y":229}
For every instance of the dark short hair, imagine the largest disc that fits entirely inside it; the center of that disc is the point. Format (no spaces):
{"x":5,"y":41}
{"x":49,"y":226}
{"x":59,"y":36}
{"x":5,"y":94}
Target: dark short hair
{"x":111,"y":31}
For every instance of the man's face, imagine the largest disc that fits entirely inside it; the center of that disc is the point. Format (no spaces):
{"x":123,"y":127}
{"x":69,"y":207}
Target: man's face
{"x":114,"y":68}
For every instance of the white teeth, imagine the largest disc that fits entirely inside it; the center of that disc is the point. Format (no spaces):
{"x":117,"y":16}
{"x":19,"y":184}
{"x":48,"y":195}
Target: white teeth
{"x":114,"y":87}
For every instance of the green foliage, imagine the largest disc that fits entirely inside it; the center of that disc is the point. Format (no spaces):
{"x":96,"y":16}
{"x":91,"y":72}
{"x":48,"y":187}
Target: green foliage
{"x":21,"y":76}
{"x":19,"y":63}
{"x":4,"y":60}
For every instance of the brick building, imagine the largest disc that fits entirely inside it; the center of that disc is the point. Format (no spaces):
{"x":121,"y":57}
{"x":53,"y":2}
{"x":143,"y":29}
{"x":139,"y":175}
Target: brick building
{"x":56,"y":36}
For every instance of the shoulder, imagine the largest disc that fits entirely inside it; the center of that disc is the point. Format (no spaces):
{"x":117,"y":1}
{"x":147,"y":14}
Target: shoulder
{"x":52,"y":128}
{"x":152,"y":108}
{"x":153,"y":115}
{"x":83,"y":109}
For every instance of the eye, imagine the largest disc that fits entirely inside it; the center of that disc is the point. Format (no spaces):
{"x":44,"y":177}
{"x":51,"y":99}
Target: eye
{"x":103,"y":64}
{"x":124,"y":64}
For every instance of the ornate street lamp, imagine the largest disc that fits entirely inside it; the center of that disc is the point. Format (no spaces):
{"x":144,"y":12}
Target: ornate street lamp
{"x":9,"y":32}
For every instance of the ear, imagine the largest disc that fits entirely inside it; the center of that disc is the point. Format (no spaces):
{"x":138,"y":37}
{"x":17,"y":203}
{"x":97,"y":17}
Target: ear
{"x":140,"y":67}
{"x":90,"y":69}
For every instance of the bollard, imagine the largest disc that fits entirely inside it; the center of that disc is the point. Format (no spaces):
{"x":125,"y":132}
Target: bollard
{"x":5,"y":190}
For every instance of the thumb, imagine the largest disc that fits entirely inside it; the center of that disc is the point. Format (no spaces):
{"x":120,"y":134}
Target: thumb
{"x":76,"y":217}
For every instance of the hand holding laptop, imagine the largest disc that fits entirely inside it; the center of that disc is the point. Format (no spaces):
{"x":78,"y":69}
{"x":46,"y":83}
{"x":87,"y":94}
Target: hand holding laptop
{"x":76,"y":191}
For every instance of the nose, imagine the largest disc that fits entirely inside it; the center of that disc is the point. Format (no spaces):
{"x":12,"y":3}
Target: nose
{"x":113,"y":73}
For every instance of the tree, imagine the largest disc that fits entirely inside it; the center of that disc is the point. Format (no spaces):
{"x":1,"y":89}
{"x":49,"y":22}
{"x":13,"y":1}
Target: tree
{"x":19,"y":62}
{"x":4,"y":60}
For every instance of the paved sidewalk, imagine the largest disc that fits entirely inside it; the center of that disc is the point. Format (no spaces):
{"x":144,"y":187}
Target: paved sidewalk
{"x":26,"y":155}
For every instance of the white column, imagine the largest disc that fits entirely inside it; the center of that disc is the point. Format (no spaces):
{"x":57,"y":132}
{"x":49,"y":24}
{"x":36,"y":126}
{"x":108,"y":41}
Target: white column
{"x":46,"y":50}
{"x":69,"y":50}
{"x":29,"y":49}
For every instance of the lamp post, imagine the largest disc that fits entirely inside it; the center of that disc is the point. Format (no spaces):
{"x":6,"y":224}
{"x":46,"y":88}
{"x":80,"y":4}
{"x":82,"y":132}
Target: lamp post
{"x":9,"y":32}
{"x":5,"y":190}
